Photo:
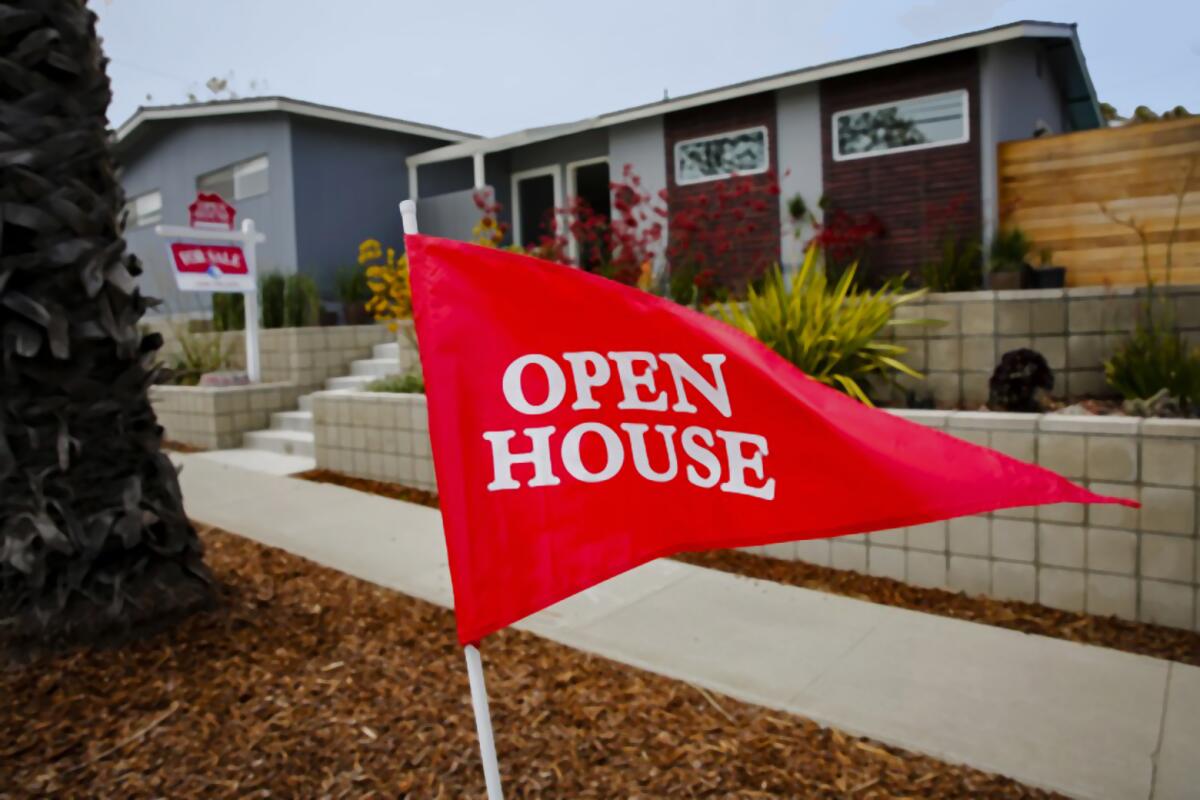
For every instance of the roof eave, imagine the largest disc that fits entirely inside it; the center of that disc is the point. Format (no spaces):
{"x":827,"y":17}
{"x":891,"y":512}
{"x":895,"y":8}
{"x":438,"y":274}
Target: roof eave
{"x":285,"y":105}
{"x":968,"y":41}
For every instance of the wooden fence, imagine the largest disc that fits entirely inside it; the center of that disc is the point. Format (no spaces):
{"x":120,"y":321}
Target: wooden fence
{"x":1065,"y":191}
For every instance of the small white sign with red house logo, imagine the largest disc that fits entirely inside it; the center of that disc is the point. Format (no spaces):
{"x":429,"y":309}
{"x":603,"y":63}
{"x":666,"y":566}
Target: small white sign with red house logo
{"x":210,"y":210}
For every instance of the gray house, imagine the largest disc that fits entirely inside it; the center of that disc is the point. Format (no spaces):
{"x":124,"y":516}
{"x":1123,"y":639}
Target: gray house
{"x":823,"y":131}
{"x":316,"y":180}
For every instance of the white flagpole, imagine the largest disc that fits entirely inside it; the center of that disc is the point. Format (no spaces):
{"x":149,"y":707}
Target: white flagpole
{"x":479,"y":701}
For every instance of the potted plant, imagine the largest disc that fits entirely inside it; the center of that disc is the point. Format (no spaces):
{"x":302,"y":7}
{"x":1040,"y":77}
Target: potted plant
{"x":1007,"y":266}
{"x":1048,"y":276}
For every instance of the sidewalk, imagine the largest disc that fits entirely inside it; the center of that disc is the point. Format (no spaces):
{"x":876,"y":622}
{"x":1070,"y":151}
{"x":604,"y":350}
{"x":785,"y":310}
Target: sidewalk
{"x":1086,"y":721}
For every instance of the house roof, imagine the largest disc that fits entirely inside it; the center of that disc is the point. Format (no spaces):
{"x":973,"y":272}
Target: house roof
{"x":129,"y":131}
{"x":1081,"y":94}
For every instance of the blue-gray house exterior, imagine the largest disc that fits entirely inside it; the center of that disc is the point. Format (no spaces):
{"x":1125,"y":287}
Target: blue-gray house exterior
{"x":334,"y":178}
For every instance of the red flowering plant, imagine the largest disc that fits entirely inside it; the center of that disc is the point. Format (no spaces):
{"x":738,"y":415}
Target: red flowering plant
{"x":706,"y":263}
{"x":843,"y":238}
{"x":489,"y":231}
{"x":958,"y":263}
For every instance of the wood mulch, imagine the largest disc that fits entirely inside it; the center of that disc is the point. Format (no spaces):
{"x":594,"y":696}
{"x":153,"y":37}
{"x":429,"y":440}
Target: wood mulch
{"x":1157,"y":641}
{"x":180,"y":447}
{"x":305,"y":682}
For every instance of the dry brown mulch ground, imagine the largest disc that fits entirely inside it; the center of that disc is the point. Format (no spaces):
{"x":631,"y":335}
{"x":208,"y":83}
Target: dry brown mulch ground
{"x":1157,"y":641}
{"x":308,"y":683}
{"x":180,"y":447}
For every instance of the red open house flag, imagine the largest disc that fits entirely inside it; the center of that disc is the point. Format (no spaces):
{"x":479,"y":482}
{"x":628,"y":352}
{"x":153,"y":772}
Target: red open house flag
{"x":581,"y":427}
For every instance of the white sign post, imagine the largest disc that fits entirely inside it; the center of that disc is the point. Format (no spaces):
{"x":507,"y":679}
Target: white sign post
{"x":210,"y":259}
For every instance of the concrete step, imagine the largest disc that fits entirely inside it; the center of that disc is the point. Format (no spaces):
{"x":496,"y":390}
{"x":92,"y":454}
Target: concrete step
{"x":386,"y":350}
{"x":376,"y":367}
{"x":301,"y":421}
{"x":306,"y":402}
{"x":292,"y":443}
{"x":351,"y":382}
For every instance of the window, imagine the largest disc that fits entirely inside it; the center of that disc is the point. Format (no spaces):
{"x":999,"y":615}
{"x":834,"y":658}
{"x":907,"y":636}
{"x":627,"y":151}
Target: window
{"x":587,"y":182}
{"x":143,"y":210}
{"x":237,"y":181}
{"x":710,"y":158}
{"x":914,"y":124}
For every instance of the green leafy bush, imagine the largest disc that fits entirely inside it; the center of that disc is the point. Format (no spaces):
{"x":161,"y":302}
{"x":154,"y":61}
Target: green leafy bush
{"x":412,"y":383}
{"x":830,"y":333}
{"x":1009,"y":250}
{"x":958,"y":269}
{"x":352,"y":286}
{"x":270,"y":299}
{"x":199,"y":353}
{"x":228,"y":311}
{"x":1156,"y":358}
{"x":301,"y":302}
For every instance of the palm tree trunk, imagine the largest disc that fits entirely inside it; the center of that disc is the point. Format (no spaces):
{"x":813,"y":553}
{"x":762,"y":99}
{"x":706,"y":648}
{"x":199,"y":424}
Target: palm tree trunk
{"x":93,"y":538}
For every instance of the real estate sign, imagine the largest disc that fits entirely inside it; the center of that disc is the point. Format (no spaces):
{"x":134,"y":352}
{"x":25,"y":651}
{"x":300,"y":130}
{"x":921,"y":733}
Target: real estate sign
{"x":210,"y":267}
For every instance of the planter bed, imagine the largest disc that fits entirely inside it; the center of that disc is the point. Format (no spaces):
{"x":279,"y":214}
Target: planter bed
{"x":305,"y":682}
{"x":215,"y":417}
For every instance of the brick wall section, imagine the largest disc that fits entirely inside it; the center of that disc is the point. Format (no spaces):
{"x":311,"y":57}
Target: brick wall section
{"x":1136,"y":564}
{"x":900,"y":187}
{"x":752,"y":251}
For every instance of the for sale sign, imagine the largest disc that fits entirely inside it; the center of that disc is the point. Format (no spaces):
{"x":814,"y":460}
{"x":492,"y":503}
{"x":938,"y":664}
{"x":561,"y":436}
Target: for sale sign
{"x":210,"y":267}
{"x":209,"y":210}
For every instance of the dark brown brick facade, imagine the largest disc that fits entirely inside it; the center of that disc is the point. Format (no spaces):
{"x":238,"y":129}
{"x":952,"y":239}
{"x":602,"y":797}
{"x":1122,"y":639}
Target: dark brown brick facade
{"x":902,"y":188}
{"x":756,"y":246}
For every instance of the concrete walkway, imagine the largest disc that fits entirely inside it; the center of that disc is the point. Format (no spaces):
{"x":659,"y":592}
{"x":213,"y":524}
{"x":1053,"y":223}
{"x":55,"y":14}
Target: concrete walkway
{"x":1086,"y":721}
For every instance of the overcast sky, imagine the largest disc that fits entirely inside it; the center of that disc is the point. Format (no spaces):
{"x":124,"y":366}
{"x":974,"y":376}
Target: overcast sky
{"x":495,"y":67}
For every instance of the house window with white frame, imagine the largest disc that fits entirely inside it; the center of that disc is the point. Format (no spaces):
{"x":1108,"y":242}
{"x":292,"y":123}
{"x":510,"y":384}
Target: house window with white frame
{"x":143,"y":210}
{"x":722,"y":155}
{"x":915,"y":123}
{"x":237,"y":181}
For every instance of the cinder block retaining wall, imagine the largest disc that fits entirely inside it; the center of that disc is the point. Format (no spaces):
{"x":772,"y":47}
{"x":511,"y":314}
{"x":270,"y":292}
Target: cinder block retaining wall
{"x":303,"y":356}
{"x":214,"y":418}
{"x":1139,"y":565}
{"x":382,"y":436}
{"x":1075,"y":329}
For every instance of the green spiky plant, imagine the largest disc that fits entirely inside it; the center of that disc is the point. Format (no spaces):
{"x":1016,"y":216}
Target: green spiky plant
{"x":832,"y":333}
{"x":94,"y":542}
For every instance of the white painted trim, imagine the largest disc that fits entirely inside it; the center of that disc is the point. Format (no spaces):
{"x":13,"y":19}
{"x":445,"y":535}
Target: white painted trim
{"x":572,"y":190}
{"x":969,"y":41}
{"x":725,"y":175}
{"x":260,"y":105}
{"x":480,"y":170}
{"x":554,"y":172}
{"x":413,"y":184}
{"x":966,"y":137}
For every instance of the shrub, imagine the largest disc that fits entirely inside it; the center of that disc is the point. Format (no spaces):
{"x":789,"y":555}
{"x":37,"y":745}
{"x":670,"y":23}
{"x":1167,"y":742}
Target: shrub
{"x":387,"y":277}
{"x":199,"y":353}
{"x":352,"y":286}
{"x":228,"y":311}
{"x":1009,"y":250}
{"x":829,"y":333}
{"x":958,"y":269}
{"x":301,"y":302}
{"x":1022,"y":381}
{"x":412,"y":383}
{"x":1154,"y":359}
{"x":270,"y":299}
